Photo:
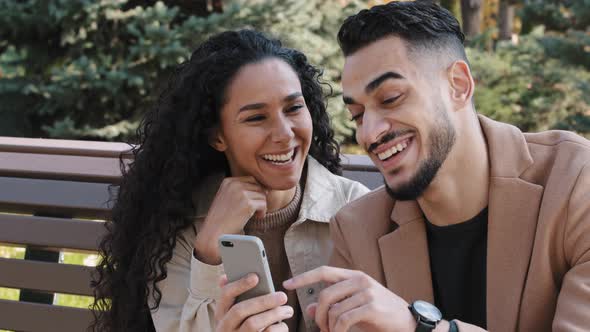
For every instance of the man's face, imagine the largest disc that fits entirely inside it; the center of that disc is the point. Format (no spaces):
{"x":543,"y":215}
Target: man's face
{"x":402,"y":119}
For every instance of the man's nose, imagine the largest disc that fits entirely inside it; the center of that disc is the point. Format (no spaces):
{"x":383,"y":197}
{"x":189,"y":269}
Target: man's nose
{"x":372,"y":128}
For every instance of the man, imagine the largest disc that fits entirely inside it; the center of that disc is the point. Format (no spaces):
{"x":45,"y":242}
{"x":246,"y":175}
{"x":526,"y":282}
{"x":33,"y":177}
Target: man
{"x":487,"y":224}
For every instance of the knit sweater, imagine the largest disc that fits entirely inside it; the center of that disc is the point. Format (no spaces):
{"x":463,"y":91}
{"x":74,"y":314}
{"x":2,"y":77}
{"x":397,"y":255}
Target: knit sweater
{"x":271,"y":230}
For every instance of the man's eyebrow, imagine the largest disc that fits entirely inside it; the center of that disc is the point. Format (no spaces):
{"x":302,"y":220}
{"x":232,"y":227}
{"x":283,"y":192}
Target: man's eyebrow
{"x":382,"y":78}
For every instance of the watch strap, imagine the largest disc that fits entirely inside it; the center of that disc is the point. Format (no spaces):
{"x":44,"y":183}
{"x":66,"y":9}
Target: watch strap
{"x":424,"y":327}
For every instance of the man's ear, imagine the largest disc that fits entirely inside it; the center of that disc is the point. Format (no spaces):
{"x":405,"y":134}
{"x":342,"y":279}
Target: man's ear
{"x":216,"y":140}
{"x":461,"y":83}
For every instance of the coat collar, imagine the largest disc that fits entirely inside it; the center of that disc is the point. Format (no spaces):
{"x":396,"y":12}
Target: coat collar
{"x":507,"y":148}
{"x":322,"y":196}
{"x":512,"y":213}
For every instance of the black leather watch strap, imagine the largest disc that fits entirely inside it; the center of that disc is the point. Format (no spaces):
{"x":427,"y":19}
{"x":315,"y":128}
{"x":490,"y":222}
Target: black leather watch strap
{"x":424,"y":327}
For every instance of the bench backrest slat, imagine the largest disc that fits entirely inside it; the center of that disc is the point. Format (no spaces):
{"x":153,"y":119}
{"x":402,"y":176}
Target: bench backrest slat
{"x":62,"y":146}
{"x":47,"y":232}
{"x":47,"y":277}
{"x":53,"y":197}
{"x":34,"y":317}
{"x":352,"y":162}
{"x":369,"y":179}
{"x":60,"y":167}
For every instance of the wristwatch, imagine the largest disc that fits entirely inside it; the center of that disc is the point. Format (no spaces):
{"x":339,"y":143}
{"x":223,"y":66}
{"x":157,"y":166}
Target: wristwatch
{"x":426,"y":315}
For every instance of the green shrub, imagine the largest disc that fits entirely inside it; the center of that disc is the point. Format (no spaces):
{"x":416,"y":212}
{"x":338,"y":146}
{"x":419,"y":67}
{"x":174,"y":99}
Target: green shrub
{"x":525,"y":86}
{"x":88,"y":69}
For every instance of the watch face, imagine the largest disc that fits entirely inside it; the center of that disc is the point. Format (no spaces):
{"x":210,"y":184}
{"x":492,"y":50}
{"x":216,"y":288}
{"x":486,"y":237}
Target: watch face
{"x":427,"y":311}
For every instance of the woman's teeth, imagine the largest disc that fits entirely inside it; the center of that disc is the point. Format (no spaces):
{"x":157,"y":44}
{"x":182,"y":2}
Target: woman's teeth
{"x":279,"y":158}
{"x":393,"y":150}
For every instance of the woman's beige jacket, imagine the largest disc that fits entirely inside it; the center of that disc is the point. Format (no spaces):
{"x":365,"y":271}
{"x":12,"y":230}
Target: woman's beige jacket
{"x":191,"y":287}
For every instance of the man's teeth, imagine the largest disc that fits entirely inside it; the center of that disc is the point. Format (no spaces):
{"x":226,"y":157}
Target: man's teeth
{"x":279,"y":157}
{"x":393,"y":150}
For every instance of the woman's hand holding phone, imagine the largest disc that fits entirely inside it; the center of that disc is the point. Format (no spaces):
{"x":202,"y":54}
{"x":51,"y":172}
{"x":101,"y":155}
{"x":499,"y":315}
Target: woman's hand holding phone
{"x":256,"y":314}
{"x":236,"y":201}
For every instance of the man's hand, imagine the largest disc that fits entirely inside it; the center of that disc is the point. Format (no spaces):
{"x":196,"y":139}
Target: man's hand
{"x":354,"y":298}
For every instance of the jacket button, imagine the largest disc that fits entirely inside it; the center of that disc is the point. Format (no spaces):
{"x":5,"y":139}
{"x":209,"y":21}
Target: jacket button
{"x":310,"y":291}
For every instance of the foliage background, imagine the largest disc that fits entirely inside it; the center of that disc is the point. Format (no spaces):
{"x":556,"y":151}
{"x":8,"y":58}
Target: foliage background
{"x":88,"y":69}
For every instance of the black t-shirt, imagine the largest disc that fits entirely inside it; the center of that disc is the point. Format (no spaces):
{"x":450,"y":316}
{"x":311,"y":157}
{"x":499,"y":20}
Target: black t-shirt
{"x":458,"y":265}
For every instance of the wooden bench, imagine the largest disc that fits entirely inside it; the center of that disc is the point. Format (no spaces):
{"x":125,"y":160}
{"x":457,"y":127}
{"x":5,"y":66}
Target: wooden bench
{"x":54,"y":195}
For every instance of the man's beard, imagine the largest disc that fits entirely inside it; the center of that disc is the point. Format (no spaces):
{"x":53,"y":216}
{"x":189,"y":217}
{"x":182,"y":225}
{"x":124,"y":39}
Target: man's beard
{"x":441,"y":140}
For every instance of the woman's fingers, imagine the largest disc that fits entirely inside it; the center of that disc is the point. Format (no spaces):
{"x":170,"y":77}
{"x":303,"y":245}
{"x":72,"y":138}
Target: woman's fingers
{"x":230,"y":291}
{"x":245,"y":182}
{"x":223,"y":281}
{"x":240,"y":312}
{"x":266,"y":320}
{"x":259,"y":207}
{"x":255,"y":188}
{"x":280,"y":327}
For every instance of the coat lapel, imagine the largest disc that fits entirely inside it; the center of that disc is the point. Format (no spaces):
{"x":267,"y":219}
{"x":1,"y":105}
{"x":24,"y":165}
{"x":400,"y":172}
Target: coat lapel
{"x":404,"y":254}
{"x":513,"y":209}
{"x":512,"y":220}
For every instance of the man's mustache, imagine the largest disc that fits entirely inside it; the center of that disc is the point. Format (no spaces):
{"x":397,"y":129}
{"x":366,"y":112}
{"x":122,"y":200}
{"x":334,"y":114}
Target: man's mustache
{"x":388,"y":137}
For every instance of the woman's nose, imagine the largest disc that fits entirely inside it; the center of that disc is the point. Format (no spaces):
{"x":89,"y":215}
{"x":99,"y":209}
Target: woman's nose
{"x":282,"y":130}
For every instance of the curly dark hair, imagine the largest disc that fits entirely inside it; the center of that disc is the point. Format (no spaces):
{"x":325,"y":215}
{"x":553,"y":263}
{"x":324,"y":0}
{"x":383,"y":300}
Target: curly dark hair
{"x":153,"y":204}
{"x":422,"y":24}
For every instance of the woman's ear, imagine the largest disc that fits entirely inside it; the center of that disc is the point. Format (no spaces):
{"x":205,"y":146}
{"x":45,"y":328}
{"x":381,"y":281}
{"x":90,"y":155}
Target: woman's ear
{"x":216,"y":140}
{"x":461,"y":84}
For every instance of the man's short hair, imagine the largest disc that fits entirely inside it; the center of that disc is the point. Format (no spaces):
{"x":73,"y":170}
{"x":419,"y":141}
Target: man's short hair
{"x":423,"y":25}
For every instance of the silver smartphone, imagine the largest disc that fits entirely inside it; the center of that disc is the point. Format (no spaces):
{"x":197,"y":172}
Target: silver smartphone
{"x":244,"y":254}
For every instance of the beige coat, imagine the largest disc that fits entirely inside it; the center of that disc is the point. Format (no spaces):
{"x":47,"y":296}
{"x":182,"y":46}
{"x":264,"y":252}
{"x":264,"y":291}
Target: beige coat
{"x":191,"y":288}
{"x":538,"y":256}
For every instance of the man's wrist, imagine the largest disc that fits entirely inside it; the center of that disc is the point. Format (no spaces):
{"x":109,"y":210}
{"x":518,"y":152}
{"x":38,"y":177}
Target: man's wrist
{"x":442,"y":326}
{"x":411,"y":322}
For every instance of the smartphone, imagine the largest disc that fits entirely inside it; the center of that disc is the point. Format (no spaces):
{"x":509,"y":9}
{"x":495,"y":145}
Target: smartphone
{"x":244,"y":254}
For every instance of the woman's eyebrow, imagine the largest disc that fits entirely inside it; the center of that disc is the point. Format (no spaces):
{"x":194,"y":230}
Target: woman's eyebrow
{"x":257,"y":106}
{"x":293,"y":96}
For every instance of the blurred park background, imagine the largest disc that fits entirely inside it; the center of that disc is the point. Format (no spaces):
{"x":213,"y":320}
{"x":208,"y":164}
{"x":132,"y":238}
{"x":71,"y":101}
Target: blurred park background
{"x":88,"y":69}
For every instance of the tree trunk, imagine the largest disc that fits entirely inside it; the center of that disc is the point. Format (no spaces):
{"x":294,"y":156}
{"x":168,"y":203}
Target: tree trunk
{"x":471,"y":12}
{"x":505,"y":19}
{"x":217,"y":6}
{"x":453,"y":6}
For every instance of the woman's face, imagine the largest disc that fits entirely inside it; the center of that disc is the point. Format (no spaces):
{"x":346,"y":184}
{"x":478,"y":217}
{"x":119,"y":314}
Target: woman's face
{"x":265,"y":128}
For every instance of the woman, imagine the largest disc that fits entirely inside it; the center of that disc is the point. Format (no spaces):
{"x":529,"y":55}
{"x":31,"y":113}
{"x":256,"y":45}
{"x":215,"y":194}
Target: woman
{"x":239,"y":141}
